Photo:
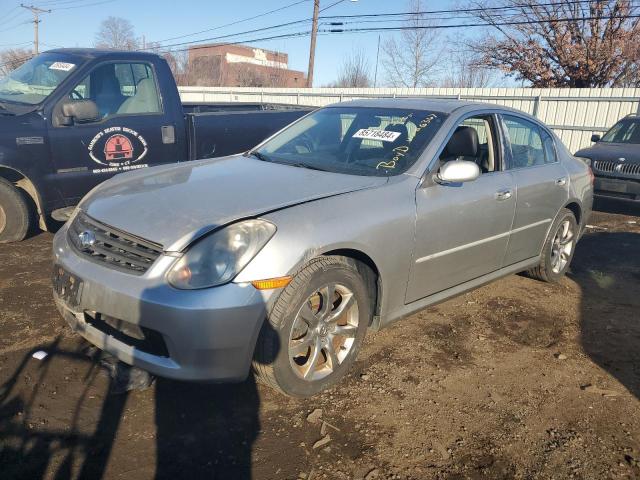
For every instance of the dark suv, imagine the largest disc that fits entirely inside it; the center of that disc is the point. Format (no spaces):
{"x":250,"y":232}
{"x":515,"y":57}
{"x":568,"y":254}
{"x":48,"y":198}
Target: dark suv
{"x":615,"y":160}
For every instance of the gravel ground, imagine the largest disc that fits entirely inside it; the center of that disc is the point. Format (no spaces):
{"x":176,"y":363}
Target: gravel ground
{"x":519,"y":379}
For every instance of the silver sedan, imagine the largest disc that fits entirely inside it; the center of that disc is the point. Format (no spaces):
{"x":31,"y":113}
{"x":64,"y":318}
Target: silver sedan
{"x":279,"y":260}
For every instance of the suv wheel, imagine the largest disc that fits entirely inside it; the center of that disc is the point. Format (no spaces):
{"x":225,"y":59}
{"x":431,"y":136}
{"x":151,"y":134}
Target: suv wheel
{"x":315,"y":329}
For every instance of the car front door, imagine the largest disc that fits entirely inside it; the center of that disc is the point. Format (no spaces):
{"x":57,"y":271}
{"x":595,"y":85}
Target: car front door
{"x":462,"y":230}
{"x":133,"y":131}
{"x":542,"y":185}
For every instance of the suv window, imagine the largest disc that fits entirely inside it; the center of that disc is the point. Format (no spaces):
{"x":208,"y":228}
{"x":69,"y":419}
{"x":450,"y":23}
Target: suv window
{"x":120,"y":88}
{"x":525,"y":141}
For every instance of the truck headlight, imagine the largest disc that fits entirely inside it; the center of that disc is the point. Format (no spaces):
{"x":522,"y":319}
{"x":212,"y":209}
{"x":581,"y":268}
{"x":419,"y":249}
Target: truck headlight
{"x":218,"y":258}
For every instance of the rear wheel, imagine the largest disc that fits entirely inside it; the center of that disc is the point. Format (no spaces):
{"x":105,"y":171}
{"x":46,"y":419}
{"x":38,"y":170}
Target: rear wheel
{"x":558,"y":249}
{"x":15,"y":215}
{"x":315,"y":329}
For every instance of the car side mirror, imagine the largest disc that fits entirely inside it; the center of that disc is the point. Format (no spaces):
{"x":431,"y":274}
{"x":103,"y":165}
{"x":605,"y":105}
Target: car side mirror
{"x":595,"y":138}
{"x":79,"y":111}
{"x":458,"y":171}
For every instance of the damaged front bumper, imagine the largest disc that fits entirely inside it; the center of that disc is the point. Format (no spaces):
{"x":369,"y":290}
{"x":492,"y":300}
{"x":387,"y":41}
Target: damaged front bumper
{"x":198,"y":335}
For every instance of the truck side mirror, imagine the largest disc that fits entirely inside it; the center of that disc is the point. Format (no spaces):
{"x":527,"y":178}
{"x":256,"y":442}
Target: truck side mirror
{"x":79,"y":111}
{"x":595,"y":138}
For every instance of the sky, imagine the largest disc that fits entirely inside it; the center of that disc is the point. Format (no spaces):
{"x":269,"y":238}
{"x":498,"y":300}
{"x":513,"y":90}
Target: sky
{"x":74,"y":23}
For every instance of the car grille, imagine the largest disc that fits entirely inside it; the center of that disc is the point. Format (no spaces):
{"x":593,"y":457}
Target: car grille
{"x":113,"y":248}
{"x":615,"y":167}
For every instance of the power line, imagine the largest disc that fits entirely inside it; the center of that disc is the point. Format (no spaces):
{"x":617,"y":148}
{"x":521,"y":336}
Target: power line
{"x":233,"y":23}
{"x":467,"y":25}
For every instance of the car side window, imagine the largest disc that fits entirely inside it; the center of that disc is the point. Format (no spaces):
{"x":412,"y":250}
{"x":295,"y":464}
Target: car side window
{"x":549,"y":147}
{"x":120,"y":89}
{"x":478,"y":130}
{"x":526,"y":143}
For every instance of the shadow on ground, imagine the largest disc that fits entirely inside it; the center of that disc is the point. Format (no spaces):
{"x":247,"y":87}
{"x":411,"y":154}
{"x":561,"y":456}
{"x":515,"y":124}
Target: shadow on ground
{"x":607,"y":268}
{"x":201,"y":431}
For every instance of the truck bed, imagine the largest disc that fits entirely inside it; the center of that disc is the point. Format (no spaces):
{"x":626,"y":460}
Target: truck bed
{"x":216,"y":130}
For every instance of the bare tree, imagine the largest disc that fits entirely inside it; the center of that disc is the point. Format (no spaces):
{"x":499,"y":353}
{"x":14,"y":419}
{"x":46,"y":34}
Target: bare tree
{"x":355,"y":71}
{"x":564,"y":43}
{"x":411,"y":59}
{"x":116,"y":33}
{"x":12,"y":58}
{"x":466,"y":70}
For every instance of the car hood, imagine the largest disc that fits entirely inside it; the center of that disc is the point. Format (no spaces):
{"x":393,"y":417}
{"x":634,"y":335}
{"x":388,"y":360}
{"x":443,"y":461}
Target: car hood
{"x":612,"y":152}
{"x":174,"y":205}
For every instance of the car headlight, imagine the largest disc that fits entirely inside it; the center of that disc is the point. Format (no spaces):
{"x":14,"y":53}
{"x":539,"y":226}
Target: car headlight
{"x":219,"y":257}
{"x":585,"y":160}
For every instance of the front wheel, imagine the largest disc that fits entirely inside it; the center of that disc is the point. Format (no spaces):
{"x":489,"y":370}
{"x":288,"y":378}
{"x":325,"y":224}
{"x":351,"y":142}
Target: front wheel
{"x":15,"y":214}
{"x":558,"y":249}
{"x":315,"y":330}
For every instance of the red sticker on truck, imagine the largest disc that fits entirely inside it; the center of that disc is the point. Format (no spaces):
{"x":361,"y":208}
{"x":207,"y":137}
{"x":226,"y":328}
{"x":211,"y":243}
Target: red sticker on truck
{"x":117,"y":148}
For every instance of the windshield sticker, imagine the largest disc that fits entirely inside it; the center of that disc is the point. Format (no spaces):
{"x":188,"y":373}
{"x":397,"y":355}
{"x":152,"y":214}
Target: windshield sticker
{"x":371,"y":134}
{"x":117,"y":147}
{"x":403,"y":150}
{"x":65,"y":67}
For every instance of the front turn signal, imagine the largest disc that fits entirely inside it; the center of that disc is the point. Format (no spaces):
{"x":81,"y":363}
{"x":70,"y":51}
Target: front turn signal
{"x":271,"y":283}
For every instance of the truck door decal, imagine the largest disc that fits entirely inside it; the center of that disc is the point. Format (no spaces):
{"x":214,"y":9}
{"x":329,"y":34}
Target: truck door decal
{"x":118,"y":148}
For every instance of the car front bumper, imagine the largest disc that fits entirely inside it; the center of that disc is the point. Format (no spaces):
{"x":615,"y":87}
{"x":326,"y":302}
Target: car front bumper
{"x":197,"y":335}
{"x":619,"y":189}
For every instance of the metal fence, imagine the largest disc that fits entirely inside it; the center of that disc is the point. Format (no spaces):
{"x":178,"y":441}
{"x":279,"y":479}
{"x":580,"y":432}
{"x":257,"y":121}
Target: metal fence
{"x":574,"y":114}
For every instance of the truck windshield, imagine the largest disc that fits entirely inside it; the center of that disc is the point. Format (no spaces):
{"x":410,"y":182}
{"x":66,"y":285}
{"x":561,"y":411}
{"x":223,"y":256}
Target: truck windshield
{"x":625,"y":131}
{"x":36,"y":79}
{"x":355,"y":140}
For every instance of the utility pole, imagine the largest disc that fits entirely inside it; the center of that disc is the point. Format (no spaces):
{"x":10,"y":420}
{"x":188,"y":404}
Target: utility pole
{"x":314,"y":34}
{"x":36,"y":20}
{"x":375,"y":77}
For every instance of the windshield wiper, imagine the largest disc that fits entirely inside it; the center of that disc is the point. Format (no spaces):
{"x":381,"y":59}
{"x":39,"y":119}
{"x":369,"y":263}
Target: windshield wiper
{"x":260,"y":156}
{"x":306,"y":165}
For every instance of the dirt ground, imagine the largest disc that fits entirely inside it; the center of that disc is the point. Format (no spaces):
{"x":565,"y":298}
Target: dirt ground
{"x":519,"y":379}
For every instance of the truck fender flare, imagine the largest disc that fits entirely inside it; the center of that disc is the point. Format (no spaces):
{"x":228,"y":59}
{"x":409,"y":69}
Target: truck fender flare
{"x":20,"y":180}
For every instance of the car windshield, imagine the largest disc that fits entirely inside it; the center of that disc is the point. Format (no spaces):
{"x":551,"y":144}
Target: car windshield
{"x":625,"y":131}
{"x":36,"y":79}
{"x":355,"y":140}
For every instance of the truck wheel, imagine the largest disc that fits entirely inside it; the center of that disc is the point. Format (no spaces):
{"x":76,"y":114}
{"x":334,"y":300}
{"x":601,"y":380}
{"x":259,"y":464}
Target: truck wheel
{"x":558,"y":249}
{"x":315,"y":329}
{"x":15,"y":214}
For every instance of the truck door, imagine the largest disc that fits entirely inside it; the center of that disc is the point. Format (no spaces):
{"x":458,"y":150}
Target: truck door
{"x":134,"y":130}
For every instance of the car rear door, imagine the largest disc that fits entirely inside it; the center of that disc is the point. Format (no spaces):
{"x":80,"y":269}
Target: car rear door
{"x":462,"y":230}
{"x":134,"y":131}
{"x":542,"y":185}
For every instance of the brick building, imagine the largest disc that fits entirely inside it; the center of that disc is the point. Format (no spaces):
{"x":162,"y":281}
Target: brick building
{"x":240,"y":65}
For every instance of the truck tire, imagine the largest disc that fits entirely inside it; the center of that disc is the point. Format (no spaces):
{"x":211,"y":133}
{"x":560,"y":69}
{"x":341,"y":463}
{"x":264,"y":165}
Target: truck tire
{"x":307,"y":344}
{"x":558,"y":249}
{"x":15,"y":214}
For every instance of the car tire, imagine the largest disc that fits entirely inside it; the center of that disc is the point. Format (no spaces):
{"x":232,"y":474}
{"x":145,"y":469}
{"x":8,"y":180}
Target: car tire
{"x":15,"y":214}
{"x":558,"y":249}
{"x":305,"y":347}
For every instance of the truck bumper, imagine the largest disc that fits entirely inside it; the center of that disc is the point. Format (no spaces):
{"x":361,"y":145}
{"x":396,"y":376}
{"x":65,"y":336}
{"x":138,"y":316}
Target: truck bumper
{"x":197,"y":335}
{"x":619,"y":189}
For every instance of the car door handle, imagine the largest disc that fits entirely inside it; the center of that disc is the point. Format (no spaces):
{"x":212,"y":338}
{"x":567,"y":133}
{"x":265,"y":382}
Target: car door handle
{"x":503,"y":194}
{"x":562,"y":181}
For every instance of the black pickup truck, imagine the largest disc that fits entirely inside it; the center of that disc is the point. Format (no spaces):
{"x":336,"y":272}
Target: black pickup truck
{"x":72,"y":118}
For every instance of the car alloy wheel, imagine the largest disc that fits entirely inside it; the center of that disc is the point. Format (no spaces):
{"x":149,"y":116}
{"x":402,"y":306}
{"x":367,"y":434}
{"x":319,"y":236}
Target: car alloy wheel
{"x":562,"y":246}
{"x":323,"y":332}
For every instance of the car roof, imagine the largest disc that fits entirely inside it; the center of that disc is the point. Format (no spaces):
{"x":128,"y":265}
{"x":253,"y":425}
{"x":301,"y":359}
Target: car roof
{"x":426,"y":103}
{"x":91,"y":53}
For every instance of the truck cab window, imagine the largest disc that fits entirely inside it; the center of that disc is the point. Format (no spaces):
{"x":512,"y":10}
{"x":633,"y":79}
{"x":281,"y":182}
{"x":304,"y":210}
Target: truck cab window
{"x":120,"y":88}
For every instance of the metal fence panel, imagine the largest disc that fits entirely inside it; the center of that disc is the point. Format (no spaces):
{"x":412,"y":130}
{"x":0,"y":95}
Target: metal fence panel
{"x":574,"y":114}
